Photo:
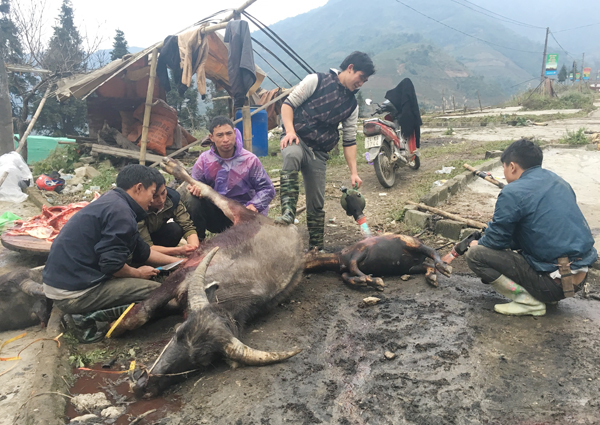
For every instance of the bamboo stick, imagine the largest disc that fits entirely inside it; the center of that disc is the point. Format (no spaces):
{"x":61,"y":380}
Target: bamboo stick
{"x":484,"y":176}
{"x":247,"y":126}
{"x":123,"y":153}
{"x":472,"y":223}
{"x":4,"y":176}
{"x":23,"y":140}
{"x":148,"y":108}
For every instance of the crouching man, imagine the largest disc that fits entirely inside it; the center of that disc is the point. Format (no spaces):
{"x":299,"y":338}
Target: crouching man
{"x":538,"y":246}
{"x":87,"y":270}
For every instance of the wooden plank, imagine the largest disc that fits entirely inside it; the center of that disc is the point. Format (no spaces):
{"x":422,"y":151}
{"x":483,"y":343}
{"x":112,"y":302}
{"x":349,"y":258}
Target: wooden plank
{"x":26,"y":243}
{"x":124,"y":153}
{"x":148,"y":107}
{"x":468,"y":221}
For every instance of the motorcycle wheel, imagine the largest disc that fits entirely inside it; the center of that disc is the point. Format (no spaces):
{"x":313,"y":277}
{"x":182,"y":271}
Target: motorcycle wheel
{"x":415,"y":163}
{"x":384,"y":169}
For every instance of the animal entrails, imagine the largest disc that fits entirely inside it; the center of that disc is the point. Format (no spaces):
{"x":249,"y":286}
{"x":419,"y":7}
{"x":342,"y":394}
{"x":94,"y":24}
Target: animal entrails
{"x":387,"y":255}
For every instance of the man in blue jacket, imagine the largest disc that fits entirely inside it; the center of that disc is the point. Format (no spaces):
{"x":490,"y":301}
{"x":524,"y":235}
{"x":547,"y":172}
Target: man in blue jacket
{"x":536,"y":227}
{"x":87,"y":269}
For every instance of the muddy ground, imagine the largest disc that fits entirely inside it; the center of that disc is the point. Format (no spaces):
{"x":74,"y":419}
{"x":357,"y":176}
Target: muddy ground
{"x":457,"y":362}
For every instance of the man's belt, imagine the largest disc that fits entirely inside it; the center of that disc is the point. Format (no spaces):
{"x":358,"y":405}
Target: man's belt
{"x":567,"y":278}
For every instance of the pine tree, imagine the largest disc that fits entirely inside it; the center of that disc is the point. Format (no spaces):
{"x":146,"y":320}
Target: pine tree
{"x":562,"y":74}
{"x":119,"y":46}
{"x":186,"y":105}
{"x":214,"y":109}
{"x":65,"y":55}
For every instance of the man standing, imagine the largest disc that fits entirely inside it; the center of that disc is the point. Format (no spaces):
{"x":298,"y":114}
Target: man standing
{"x":537,"y":214}
{"x":87,"y":269}
{"x":233,"y":172}
{"x":311,"y":115}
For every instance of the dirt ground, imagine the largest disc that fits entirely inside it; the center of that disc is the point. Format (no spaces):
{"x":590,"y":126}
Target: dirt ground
{"x":457,"y":362}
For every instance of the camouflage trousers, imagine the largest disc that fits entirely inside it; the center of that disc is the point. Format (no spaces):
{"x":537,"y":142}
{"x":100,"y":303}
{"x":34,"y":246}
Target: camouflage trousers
{"x":313,"y":165}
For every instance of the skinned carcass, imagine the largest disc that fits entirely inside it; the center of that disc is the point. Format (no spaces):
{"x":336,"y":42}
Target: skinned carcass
{"x":22,"y":301}
{"x":387,"y":255}
{"x":257,"y":265}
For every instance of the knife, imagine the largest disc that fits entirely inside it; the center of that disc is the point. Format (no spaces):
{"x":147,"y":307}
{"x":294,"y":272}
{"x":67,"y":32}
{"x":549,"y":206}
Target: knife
{"x":169,"y":266}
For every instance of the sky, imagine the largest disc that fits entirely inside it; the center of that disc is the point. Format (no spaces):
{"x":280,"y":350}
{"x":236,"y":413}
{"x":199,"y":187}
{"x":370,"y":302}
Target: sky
{"x":145,"y":23}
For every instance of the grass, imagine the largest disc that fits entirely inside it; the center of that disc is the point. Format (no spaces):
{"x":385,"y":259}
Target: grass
{"x":575,"y":137}
{"x":82,"y":359}
{"x":568,"y":100}
{"x":449,"y":131}
{"x":61,"y":158}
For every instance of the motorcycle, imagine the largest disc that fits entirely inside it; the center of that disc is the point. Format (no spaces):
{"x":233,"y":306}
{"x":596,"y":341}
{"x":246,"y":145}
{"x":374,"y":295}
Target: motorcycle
{"x":386,"y":147}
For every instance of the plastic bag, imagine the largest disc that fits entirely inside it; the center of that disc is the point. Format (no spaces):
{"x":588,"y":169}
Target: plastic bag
{"x":444,"y":170}
{"x":7,"y":218}
{"x":17,"y":171}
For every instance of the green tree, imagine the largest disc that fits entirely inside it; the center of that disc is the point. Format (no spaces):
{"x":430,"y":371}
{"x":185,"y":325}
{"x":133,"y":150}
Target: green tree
{"x":562,"y":74}
{"x":120,"y":47}
{"x":219,"y":107}
{"x":361,"y":104}
{"x":185,"y":104}
{"x":64,"y":55}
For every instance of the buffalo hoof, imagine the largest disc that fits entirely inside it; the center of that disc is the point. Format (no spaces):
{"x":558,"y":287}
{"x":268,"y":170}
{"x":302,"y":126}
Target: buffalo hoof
{"x":444,"y":268}
{"x":432,"y":279}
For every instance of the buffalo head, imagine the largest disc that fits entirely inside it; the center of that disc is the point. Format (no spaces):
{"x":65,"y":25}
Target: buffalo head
{"x":209,"y":331}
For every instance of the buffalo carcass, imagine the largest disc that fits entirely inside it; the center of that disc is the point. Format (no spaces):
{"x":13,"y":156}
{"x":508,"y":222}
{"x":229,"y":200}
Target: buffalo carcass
{"x":257,"y":265}
{"x":22,"y":301}
{"x":387,"y":255}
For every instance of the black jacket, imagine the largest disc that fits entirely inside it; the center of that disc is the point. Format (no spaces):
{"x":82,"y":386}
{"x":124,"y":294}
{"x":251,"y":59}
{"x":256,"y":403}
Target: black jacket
{"x":96,"y":242}
{"x":240,"y":65}
{"x":404,"y":99}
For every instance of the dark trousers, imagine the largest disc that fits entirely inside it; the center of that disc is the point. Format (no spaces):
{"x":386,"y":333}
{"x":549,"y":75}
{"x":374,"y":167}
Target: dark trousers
{"x":489,"y":264}
{"x":168,"y":235}
{"x":205,"y":215}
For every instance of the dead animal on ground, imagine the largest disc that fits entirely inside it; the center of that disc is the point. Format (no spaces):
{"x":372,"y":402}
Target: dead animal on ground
{"x":22,"y":301}
{"x":256,"y":267}
{"x":387,"y":255}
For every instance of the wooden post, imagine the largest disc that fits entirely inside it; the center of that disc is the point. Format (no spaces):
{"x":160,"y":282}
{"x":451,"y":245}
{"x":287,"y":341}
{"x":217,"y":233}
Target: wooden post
{"x":479,"y":99}
{"x":247,"y":126}
{"x":472,"y":223}
{"x":443,"y":103}
{"x":230,"y":108}
{"x":148,"y":108}
{"x":23,"y":141}
{"x":453,"y":104}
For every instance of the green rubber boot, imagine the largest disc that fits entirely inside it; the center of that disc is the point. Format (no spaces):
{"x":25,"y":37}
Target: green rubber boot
{"x":288,"y":192}
{"x":92,"y":327}
{"x":316,"y":229}
{"x":523,"y":303}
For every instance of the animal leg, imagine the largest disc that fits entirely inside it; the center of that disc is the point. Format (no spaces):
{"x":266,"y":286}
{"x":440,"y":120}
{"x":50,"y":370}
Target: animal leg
{"x":355,"y":277}
{"x":415,"y":247}
{"x":428,"y":270}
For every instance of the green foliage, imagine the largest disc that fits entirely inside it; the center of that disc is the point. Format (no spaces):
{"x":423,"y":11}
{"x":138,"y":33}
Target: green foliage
{"x":119,"y":46}
{"x":562,"y":74}
{"x":82,"y":359}
{"x":65,"y":52}
{"x":108,"y":176}
{"x":61,"y":158}
{"x":569,"y":100}
{"x":521,"y":121}
{"x":575,"y":137}
{"x":449,"y":131}
{"x":185,"y":104}
{"x":219,"y":107}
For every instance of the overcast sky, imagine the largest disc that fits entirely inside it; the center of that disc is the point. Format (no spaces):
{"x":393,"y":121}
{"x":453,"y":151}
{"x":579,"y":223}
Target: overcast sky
{"x":145,"y":23}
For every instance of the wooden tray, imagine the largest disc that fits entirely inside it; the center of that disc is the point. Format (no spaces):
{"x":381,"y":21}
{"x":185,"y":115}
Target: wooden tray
{"x":26,"y":244}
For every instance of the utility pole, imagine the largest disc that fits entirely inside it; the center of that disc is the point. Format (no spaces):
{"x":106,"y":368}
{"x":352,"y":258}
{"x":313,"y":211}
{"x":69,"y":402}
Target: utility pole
{"x":581,"y":73}
{"x":544,"y":57}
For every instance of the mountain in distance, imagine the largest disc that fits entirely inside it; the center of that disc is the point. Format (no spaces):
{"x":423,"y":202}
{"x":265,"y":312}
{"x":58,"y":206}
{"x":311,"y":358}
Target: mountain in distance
{"x":403,"y":43}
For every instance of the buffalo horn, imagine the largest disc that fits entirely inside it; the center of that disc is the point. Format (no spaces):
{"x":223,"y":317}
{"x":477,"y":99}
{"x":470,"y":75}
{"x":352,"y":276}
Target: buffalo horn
{"x":196,"y":296}
{"x":238,"y":351}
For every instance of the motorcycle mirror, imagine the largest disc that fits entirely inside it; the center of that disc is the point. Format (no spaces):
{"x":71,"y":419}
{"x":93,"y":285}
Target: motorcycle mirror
{"x":368,"y":102}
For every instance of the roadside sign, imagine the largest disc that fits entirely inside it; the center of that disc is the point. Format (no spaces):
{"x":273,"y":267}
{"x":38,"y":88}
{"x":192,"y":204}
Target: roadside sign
{"x":551,"y":64}
{"x":586,"y":73}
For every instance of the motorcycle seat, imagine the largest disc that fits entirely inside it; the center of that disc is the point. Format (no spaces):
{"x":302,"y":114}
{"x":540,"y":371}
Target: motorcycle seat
{"x":385,"y":122}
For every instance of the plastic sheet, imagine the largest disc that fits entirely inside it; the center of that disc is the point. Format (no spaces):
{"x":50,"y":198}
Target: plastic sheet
{"x":17,"y":171}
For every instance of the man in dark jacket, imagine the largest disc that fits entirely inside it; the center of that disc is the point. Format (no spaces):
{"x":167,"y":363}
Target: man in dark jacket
{"x":87,"y":269}
{"x":536,"y":214}
{"x":311,"y":115}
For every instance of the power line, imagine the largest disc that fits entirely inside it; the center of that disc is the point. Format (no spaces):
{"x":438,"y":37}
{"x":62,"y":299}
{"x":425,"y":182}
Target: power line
{"x":464,"y":33}
{"x":576,"y":28}
{"x":497,"y":15}
{"x":563,"y":49}
{"x":535,"y":78}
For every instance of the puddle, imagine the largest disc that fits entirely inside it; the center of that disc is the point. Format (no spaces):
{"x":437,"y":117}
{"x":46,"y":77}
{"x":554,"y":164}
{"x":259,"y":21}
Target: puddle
{"x":116,"y":388}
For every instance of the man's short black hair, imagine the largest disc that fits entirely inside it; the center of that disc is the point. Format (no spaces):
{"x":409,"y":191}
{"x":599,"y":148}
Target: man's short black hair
{"x":360,"y":61}
{"x":159,"y":179}
{"x":523,"y":152}
{"x":219,"y":120}
{"x":134,"y":174}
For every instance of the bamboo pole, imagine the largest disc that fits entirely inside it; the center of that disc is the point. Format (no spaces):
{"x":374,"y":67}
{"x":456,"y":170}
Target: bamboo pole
{"x":3,"y":177}
{"x":469,"y":222}
{"x":247,"y":126}
{"x":148,"y":108}
{"x":23,"y":140}
{"x":266,"y":105}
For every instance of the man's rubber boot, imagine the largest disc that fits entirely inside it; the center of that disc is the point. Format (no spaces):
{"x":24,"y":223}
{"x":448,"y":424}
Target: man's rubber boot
{"x":289,"y":189}
{"x":523,"y":303}
{"x":316,"y":229}
{"x":92,"y":327}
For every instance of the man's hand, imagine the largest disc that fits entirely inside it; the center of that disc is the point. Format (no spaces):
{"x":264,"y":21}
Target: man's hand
{"x":146,"y":272}
{"x":289,"y":139}
{"x":473,"y":243}
{"x":356,"y":181}
{"x":195,"y":190}
{"x":251,"y":208}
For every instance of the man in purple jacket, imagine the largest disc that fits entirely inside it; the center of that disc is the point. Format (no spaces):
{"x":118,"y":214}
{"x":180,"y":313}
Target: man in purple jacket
{"x":233,"y":172}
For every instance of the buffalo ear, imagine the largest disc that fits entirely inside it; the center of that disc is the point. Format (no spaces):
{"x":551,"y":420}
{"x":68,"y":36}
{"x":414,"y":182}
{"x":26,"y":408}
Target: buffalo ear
{"x":210,"y":290}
